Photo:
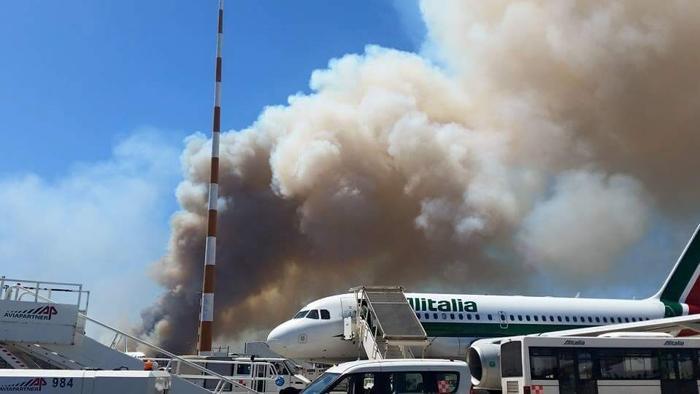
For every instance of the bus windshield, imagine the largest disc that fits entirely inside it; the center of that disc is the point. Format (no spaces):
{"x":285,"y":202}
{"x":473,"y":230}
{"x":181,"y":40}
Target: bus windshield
{"x":511,"y":360}
{"x":323,"y":382}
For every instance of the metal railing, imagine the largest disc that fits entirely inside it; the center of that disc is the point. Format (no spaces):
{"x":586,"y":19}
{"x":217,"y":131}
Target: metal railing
{"x":20,"y":290}
{"x":32,"y":290}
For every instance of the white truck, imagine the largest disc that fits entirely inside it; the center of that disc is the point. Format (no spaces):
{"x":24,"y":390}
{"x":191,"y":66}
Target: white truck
{"x":394,"y":376}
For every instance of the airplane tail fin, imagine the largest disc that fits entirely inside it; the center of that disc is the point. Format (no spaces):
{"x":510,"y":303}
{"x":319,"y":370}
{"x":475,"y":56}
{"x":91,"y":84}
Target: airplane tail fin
{"x":682,"y":286}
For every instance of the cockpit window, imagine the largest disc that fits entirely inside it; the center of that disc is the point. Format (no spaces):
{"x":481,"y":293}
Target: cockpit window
{"x":325,"y":314}
{"x":312,"y":314}
{"x":300,"y":314}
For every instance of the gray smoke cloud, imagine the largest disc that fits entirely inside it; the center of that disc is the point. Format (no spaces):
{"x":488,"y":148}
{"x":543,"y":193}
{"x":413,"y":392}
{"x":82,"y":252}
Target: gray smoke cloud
{"x":545,"y":140}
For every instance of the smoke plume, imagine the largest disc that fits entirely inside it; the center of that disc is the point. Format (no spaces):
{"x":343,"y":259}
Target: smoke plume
{"x":545,"y":138}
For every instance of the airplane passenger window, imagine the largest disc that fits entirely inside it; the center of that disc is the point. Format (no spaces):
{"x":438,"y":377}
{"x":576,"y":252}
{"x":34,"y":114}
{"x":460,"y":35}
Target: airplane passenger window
{"x":312,"y":314}
{"x":489,"y":316}
{"x":477,"y":317}
{"x":544,"y":318}
{"x":520,"y":317}
{"x":575,"y":319}
{"x":427,"y":316}
{"x":444,"y":316}
{"x":566,"y":318}
{"x":461,"y":316}
{"x":605,"y":319}
{"x":527,"y":317}
{"x":452,"y":316}
{"x":619,"y":320}
{"x":597,"y":319}
{"x":590,"y":319}
{"x":469,"y":317}
{"x":325,"y":314}
{"x":559,"y":318}
{"x":300,"y":314}
{"x":418,"y":315}
{"x":551,"y":318}
{"x":583,"y":319}
{"x":435,"y":316}
{"x":627,"y":320}
{"x":512,"y":318}
{"x":535,"y":317}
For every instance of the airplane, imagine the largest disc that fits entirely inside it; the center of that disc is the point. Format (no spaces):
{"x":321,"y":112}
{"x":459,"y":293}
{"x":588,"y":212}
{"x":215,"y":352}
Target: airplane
{"x":453,"y":321}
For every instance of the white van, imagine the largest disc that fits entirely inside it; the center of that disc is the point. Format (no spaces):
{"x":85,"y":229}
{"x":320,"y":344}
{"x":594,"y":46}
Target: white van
{"x":394,"y":376}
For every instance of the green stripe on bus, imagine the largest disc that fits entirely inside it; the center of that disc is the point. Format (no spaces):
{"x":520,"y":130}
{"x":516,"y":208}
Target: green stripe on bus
{"x":492,"y":329}
{"x":683,"y":273}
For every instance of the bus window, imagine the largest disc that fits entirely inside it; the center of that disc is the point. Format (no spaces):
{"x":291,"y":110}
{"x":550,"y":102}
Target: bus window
{"x":543,"y":363}
{"x":511,"y":359}
{"x":628,"y":364}
{"x":667,"y":366}
{"x":585,"y":365}
{"x":685,"y":366}
{"x":611,"y":364}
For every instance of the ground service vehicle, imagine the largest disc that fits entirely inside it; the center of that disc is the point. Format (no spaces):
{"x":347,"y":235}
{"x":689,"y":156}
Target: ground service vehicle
{"x":394,"y":376}
{"x":599,"y":365}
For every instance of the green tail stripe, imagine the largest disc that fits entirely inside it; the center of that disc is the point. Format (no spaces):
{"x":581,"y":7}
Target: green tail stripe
{"x":683,"y":272}
{"x":672,"y":309}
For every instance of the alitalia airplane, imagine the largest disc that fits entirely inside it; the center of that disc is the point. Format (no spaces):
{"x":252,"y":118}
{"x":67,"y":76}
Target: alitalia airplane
{"x":453,"y":321}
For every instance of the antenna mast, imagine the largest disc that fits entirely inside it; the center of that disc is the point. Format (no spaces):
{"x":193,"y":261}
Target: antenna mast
{"x":206,"y":313}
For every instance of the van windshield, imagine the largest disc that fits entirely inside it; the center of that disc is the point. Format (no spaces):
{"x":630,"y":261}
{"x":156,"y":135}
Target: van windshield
{"x":323,"y":382}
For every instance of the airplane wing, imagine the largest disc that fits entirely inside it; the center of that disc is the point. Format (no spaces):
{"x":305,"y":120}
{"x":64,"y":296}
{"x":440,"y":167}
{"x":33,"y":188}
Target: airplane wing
{"x":676,"y":326}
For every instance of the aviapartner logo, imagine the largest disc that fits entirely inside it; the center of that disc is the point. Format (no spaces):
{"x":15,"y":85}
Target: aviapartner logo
{"x":33,"y":384}
{"x":41,"y":313}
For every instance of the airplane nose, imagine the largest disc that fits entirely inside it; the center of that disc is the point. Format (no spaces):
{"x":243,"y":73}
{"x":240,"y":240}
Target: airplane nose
{"x":280,"y":339}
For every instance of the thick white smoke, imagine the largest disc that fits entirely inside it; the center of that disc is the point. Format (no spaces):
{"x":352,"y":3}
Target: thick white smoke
{"x":542,"y":143}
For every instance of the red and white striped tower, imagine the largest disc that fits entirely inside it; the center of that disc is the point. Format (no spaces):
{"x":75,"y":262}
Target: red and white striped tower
{"x":206,"y":313}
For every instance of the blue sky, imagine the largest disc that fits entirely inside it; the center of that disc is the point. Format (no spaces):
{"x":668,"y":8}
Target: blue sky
{"x":96,"y":99}
{"x":78,"y":76}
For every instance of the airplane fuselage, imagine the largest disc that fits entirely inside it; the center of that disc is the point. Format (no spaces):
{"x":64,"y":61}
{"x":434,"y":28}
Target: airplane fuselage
{"x":454,"y":321}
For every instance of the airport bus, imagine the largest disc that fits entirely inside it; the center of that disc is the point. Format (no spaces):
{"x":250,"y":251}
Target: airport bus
{"x":641,"y":364}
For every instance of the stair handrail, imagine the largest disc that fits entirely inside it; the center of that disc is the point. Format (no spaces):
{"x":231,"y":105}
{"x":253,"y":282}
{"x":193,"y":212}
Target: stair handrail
{"x":154,"y":347}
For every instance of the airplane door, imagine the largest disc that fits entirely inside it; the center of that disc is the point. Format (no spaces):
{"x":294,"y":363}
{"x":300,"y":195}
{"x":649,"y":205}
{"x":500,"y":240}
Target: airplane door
{"x":502,"y":320}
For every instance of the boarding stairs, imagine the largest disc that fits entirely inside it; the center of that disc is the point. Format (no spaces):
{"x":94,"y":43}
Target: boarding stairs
{"x":43,"y":328}
{"x":385,"y":324}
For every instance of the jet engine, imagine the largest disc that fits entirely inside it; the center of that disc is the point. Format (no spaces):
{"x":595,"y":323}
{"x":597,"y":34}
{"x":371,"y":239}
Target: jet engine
{"x":483,"y":357}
